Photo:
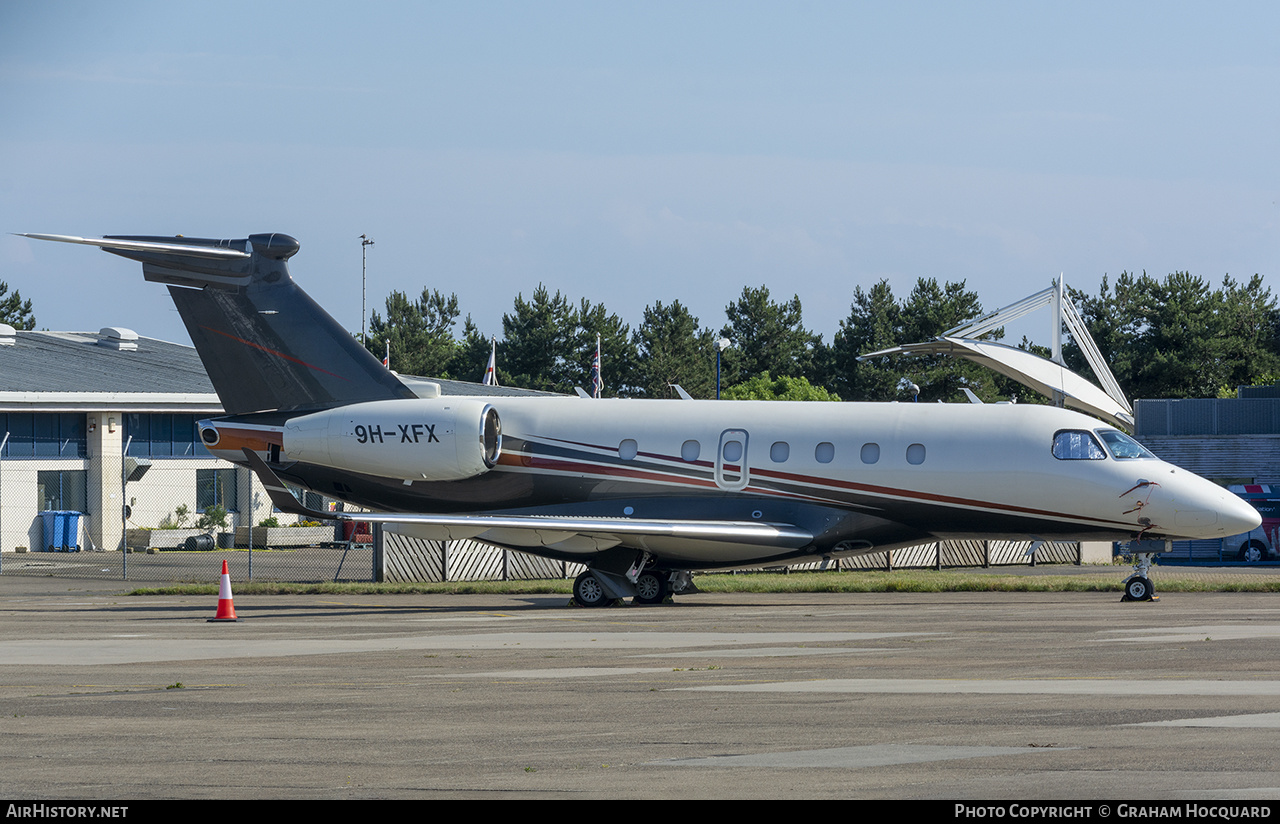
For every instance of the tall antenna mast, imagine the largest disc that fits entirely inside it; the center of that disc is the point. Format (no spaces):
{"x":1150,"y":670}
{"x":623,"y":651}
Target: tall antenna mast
{"x":365,"y":243}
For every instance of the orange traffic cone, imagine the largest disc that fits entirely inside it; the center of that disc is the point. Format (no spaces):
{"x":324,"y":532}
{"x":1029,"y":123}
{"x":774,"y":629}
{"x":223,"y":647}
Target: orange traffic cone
{"x":226,"y":609}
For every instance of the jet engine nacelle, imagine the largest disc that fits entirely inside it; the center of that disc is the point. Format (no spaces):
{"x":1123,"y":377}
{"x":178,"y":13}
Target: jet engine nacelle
{"x":437,"y":439}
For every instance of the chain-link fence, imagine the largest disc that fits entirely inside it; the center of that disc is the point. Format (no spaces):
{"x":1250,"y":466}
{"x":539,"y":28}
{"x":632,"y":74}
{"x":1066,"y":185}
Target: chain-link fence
{"x":166,"y":521}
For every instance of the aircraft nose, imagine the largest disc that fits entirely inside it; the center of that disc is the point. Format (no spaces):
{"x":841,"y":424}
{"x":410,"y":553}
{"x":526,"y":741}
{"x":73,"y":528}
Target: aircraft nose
{"x":1202,"y":509}
{"x":1214,"y":512}
{"x":1238,"y":516}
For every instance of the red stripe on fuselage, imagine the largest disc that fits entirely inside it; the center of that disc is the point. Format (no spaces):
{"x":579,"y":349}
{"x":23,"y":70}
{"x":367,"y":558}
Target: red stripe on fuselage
{"x":556,"y":464}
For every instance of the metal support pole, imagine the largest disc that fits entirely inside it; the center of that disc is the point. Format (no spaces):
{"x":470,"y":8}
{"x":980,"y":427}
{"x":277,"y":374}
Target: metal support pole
{"x":124,"y":509}
{"x":365,"y":243}
{"x":2,"y":445}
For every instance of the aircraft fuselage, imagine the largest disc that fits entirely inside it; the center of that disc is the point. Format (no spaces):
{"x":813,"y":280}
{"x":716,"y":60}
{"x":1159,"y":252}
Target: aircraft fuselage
{"x":860,"y":477}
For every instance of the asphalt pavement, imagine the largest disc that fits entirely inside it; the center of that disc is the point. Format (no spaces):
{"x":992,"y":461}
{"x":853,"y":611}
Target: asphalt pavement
{"x":888,"y":695}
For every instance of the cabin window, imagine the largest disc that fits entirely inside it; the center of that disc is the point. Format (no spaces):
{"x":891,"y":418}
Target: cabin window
{"x":915,"y":454}
{"x":1076,"y":445}
{"x":870,"y":453}
{"x":825,"y":452}
{"x":780,"y":451}
{"x":627,"y":449}
{"x":732,"y":451}
{"x":1123,"y":447}
{"x":690,"y":450}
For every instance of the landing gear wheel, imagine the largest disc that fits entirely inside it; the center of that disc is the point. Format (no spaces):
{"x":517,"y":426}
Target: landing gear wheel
{"x":588,"y":592}
{"x":1138,"y":589}
{"x":1138,"y":586}
{"x":651,"y":587}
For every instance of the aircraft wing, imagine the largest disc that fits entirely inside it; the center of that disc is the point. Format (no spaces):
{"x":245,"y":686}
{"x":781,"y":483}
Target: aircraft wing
{"x":570,"y":533}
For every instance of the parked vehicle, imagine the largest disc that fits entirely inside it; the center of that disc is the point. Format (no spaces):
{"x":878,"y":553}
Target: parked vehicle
{"x":1260,"y":544}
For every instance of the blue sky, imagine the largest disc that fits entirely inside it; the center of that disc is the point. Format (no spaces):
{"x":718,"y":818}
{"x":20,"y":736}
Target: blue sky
{"x":636,"y":152}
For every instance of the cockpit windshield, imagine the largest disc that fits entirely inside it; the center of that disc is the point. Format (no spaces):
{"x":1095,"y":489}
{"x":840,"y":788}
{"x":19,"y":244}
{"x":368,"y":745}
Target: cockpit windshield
{"x":1077,"y":445}
{"x":1121,"y":446}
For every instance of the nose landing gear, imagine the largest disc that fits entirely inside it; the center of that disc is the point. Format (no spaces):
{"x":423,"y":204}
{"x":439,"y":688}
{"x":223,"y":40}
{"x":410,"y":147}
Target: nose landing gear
{"x":1138,"y":587}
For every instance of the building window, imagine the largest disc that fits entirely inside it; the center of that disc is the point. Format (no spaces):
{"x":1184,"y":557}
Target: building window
{"x":43,"y":434}
{"x":216,"y":487}
{"x":163,"y":435}
{"x":64,"y":489}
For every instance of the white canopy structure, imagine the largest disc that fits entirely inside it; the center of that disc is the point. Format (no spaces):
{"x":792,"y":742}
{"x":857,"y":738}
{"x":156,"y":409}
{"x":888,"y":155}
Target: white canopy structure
{"x":1049,"y":377}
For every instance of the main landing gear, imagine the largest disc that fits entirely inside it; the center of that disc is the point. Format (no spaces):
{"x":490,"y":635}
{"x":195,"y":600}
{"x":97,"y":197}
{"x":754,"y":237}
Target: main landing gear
{"x":651,"y":587}
{"x":1138,"y":587}
{"x":589,"y":592}
{"x":599,"y":588}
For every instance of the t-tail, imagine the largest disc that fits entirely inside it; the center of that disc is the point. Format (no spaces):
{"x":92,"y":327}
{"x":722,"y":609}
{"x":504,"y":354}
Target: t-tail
{"x":265,"y":343}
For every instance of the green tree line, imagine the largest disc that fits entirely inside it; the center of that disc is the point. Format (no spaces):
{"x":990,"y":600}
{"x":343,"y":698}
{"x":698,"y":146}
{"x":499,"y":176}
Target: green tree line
{"x":1174,"y":337}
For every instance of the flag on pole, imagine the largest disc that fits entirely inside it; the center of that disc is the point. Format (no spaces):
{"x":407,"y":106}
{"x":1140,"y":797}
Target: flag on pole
{"x":491,"y":371}
{"x":386,"y":361}
{"x":596,"y":380}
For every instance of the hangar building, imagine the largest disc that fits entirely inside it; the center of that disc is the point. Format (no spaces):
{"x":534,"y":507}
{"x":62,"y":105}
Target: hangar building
{"x":70,"y":402}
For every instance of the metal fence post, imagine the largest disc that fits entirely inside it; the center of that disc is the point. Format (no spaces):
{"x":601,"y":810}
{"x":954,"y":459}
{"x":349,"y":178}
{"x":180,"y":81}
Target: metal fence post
{"x":124,"y":509}
{"x":2,"y":446}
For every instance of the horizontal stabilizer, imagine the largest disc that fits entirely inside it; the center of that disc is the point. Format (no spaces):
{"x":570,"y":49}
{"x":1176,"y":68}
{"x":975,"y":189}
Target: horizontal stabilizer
{"x":203,"y":248}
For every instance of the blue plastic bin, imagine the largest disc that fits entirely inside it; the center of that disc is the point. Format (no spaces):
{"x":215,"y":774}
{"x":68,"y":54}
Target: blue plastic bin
{"x":61,"y":528}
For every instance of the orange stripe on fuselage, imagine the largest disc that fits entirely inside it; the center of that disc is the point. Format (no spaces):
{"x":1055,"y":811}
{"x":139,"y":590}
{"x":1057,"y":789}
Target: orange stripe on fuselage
{"x":233,"y":440}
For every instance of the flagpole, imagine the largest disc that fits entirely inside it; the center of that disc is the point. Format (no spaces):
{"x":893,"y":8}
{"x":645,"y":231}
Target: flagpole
{"x":491,"y":370}
{"x":597,"y":377}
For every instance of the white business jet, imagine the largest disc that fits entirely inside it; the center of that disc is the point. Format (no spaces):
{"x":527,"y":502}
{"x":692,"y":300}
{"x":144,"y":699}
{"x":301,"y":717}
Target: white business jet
{"x":642,"y":492}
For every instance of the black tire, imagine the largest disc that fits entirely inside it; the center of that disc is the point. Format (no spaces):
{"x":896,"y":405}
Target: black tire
{"x":1253,"y":552}
{"x":588,"y":592}
{"x":1138,"y":589}
{"x":651,"y":587}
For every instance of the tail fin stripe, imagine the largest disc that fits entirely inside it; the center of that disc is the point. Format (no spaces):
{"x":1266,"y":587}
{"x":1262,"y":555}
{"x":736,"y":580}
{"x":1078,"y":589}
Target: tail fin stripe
{"x":262,"y":348}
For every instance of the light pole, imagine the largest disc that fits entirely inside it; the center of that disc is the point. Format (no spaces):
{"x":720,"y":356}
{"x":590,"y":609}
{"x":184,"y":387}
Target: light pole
{"x":721,"y":345}
{"x":365,"y":243}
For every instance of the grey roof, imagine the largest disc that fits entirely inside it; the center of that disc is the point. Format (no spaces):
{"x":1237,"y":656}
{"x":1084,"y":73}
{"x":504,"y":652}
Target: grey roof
{"x":73,"y":362}
{"x":452,"y":387}
{"x":68,"y":369}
